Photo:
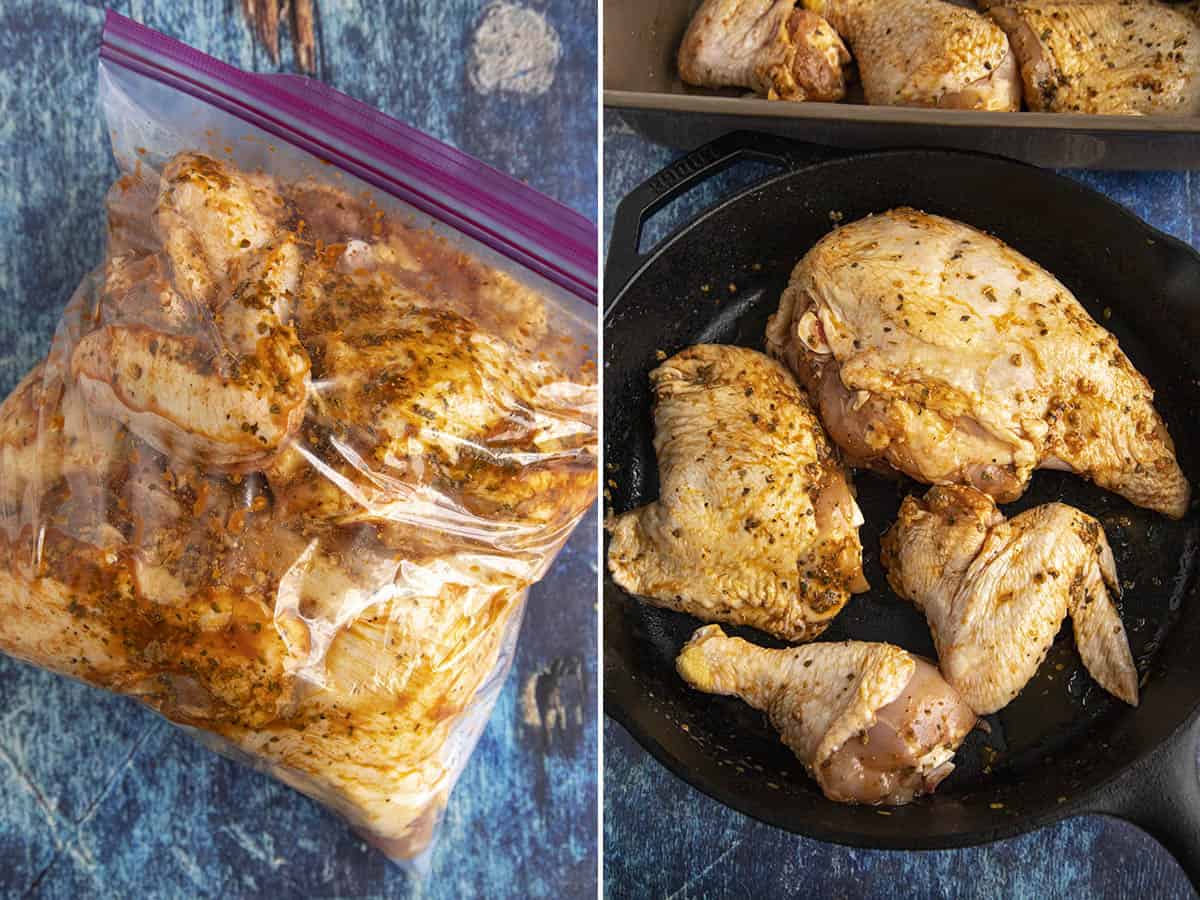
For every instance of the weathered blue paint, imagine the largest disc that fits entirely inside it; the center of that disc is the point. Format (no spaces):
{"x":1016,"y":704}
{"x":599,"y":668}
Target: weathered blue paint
{"x":100,"y":798}
{"x":663,"y":839}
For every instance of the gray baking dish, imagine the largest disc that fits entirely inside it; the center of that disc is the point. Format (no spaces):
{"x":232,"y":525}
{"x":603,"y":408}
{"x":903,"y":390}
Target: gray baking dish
{"x":641,"y":38}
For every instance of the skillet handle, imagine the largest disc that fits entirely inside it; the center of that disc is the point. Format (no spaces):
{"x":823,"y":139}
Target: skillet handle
{"x":1161,"y":795}
{"x":703,"y":163}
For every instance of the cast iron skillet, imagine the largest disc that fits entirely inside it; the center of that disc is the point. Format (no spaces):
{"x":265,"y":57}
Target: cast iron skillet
{"x":1063,"y":747}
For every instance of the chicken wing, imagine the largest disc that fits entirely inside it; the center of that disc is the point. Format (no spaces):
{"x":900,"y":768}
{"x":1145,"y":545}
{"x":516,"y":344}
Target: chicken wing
{"x":926,"y":53}
{"x":766,"y":45}
{"x":1104,"y":56}
{"x":871,"y":722}
{"x":755,"y":522}
{"x":996,"y":591}
{"x":933,"y":348}
{"x":213,"y":371}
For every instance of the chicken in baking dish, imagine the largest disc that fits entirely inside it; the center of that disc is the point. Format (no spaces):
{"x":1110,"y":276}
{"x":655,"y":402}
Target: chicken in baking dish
{"x":926,"y":53}
{"x":935,"y":349}
{"x":942,"y":55}
{"x":285,"y":476}
{"x":768,"y":45}
{"x":1126,"y":57}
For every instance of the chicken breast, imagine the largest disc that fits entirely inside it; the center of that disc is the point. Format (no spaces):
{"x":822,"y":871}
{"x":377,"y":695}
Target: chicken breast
{"x":935,"y":349}
{"x":769,"y":46}
{"x":282,"y":485}
{"x":926,"y":53}
{"x":755,"y":523}
{"x":1127,"y":57}
{"x":871,"y":722}
{"x":995,"y":592}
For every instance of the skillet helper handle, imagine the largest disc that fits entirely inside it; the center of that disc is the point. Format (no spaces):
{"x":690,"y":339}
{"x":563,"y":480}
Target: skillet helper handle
{"x":1161,"y":795}
{"x":703,"y":163}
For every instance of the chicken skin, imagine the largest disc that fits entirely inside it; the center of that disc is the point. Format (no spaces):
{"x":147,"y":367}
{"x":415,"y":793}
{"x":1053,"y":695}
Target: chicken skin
{"x":871,"y":722}
{"x":755,"y":523}
{"x":769,"y":46}
{"x":285,"y":476}
{"x":1127,"y":57}
{"x":926,"y":53}
{"x":996,"y":591}
{"x":935,"y":349}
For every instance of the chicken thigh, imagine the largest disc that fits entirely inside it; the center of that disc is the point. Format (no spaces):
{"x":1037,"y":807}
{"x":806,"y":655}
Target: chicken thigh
{"x":935,"y":349}
{"x":1131,"y":57}
{"x":871,"y":722}
{"x":755,"y":522}
{"x":926,"y":53}
{"x":995,"y":592}
{"x":766,"y":45}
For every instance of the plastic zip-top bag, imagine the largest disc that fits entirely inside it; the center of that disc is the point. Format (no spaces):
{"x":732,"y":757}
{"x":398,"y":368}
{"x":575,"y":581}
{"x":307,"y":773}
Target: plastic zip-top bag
{"x":305,"y":438}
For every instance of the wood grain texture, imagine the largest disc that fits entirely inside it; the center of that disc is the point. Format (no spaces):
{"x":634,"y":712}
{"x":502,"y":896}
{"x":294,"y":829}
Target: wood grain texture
{"x":663,"y":839}
{"x":101,"y":798}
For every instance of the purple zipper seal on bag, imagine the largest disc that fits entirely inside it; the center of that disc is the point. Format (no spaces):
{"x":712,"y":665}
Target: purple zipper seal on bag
{"x":510,"y":217}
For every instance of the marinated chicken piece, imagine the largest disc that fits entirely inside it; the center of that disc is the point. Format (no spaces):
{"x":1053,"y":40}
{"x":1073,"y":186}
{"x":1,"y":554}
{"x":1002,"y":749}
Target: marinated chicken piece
{"x":769,"y":46}
{"x":755,"y":523}
{"x":420,"y":413}
{"x":996,"y":592}
{"x":926,"y":53}
{"x":421,"y":409}
{"x":51,"y":436}
{"x":396,"y":263}
{"x":1125,"y":57}
{"x":935,"y":349}
{"x":330,"y":603}
{"x":212,"y":220}
{"x":336,"y":667}
{"x":871,"y":722}
{"x":216,"y":372}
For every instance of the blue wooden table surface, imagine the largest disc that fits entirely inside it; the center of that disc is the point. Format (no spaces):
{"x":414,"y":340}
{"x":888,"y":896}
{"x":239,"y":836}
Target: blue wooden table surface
{"x":665,"y":840}
{"x":101,"y":798}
